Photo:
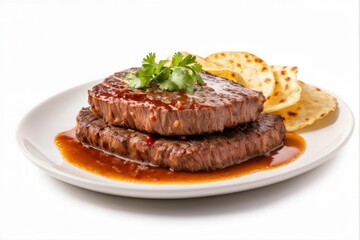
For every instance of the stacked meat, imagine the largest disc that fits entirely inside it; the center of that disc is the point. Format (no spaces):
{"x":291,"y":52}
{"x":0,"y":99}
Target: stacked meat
{"x":218,"y":125}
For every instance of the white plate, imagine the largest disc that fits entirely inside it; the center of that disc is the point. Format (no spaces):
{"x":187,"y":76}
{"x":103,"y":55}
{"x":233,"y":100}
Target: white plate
{"x":37,"y":130}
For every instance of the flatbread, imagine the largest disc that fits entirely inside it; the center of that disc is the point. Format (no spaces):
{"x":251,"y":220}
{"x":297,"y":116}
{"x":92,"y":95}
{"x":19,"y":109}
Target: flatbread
{"x":287,"y":89}
{"x":256,"y":73}
{"x":313,"y":105}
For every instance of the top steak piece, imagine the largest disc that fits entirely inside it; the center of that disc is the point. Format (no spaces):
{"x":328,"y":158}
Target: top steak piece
{"x":212,"y":107}
{"x":194,"y":153}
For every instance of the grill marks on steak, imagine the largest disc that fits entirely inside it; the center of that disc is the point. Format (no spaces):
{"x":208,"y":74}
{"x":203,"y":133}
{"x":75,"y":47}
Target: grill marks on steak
{"x":175,"y":113}
{"x":221,"y":121}
{"x":196,"y":153}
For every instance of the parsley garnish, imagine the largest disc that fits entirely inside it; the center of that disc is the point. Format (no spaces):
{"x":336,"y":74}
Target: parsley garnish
{"x":181,"y":75}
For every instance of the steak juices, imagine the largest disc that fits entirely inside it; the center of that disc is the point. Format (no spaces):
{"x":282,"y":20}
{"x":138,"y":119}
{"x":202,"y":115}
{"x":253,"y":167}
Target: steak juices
{"x":218,"y":125}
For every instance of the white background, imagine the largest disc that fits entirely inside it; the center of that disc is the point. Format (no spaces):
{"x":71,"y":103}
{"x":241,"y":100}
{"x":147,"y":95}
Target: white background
{"x":49,"y":46}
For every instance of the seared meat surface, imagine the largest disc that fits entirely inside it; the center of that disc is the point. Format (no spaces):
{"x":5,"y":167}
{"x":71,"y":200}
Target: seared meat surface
{"x":211,"y":108}
{"x":191,"y":153}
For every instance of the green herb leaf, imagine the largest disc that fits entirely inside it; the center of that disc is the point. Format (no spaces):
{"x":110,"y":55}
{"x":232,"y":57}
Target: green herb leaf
{"x":197,"y":67}
{"x":168,"y":85}
{"x":181,"y":75}
{"x":149,"y":59}
{"x":134,"y":81}
{"x":176,"y":59}
{"x":163,"y":75}
{"x":188,"y":60}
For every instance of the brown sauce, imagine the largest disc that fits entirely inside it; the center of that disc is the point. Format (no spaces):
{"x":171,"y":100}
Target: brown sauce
{"x":115,"y":88}
{"x":112,"y":89}
{"x":109,"y":166}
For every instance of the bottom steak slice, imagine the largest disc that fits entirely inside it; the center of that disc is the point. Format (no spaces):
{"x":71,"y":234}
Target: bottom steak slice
{"x":190,"y":153}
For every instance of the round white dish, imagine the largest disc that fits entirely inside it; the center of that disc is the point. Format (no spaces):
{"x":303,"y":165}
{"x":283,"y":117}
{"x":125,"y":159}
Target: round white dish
{"x":37,"y":131}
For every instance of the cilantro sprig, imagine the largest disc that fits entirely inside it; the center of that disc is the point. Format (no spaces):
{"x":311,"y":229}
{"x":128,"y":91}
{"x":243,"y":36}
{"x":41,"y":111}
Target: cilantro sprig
{"x":180,"y":75}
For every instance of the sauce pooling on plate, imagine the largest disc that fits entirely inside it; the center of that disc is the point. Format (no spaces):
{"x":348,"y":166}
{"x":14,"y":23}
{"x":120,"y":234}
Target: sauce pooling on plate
{"x":109,"y":166}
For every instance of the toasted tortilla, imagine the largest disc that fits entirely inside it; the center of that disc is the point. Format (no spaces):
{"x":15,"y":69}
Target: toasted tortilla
{"x":313,"y":105}
{"x":287,"y":90}
{"x":256,"y":74}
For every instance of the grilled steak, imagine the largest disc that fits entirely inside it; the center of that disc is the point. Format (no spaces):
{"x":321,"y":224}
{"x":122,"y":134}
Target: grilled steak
{"x":217,"y":105}
{"x":194,"y":153}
